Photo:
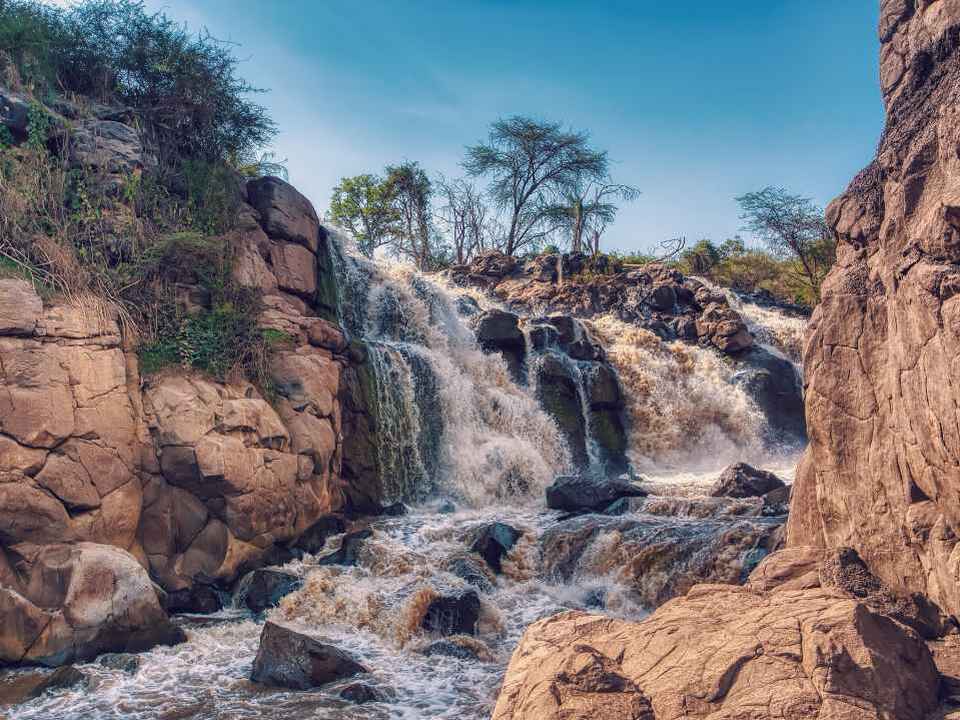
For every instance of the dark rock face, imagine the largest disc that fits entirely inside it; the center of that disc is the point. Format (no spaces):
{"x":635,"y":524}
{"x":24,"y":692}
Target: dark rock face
{"x":558,"y":393}
{"x":743,"y":481}
{"x":453,"y":612}
{"x":14,"y":112}
{"x":775,"y":386}
{"x":493,"y":542}
{"x":499,"y":331}
{"x":576,"y":493}
{"x":266,"y":587}
{"x":362,"y":693}
{"x":313,"y":539}
{"x":348,"y":551}
{"x":290,"y":659}
{"x":201,"y":599}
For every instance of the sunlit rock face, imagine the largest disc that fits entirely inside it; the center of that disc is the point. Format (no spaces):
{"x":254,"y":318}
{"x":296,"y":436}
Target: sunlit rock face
{"x":882,"y":472}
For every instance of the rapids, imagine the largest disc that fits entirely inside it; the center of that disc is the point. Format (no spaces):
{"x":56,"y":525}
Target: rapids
{"x":463,"y":444}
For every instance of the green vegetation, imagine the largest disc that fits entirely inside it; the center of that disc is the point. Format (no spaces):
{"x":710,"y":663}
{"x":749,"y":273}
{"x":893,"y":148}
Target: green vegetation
{"x":150,"y":240}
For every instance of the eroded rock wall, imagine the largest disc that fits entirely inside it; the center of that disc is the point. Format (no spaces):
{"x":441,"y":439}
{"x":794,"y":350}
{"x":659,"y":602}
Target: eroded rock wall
{"x":882,"y":472}
{"x":188,"y":479}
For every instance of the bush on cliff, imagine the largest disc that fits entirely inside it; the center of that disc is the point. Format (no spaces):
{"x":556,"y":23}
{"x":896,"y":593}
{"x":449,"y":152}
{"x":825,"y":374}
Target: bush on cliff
{"x":136,"y":235}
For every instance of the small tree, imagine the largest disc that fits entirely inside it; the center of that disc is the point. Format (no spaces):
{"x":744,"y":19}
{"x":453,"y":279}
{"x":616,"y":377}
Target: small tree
{"x":701,"y":258}
{"x":586,"y":210}
{"x":791,"y":226}
{"x":365,"y":206}
{"x":410,"y":190}
{"x":466,"y":218}
{"x":529,"y":164}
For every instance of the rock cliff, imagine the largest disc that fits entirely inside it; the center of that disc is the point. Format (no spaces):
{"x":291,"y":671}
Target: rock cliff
{"x":882,"y":471}
{"x":171,"y":477}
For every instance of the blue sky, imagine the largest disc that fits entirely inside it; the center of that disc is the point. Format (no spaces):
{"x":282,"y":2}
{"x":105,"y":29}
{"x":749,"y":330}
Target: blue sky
{"x":696,"y":102}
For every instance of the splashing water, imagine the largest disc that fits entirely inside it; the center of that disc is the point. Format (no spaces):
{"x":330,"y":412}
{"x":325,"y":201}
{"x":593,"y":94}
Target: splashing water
{"x":453,"y":422}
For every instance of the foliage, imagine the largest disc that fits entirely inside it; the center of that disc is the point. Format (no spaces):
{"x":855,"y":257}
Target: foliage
{"x":6,"y":137}
{"x":792,"y":228}
{"x":364,"y":205}
{"x":585,"y":209}
{"x":183,"y":87}
{"x":38,"y":126}
{"x":410,"y":190}
{"x":529,"y":164}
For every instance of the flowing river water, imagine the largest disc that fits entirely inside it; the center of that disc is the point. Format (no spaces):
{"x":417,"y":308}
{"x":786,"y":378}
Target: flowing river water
{"x":468,"y":445}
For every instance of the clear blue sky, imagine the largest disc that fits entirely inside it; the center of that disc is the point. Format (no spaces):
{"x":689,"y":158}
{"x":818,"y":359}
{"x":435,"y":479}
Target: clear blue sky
{"x":696,"y":102}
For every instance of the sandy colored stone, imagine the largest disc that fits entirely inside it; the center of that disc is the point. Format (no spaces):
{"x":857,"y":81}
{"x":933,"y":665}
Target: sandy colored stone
{"x":723,"y":652}
{"x":295,"y":268}
{"x":20,"y":307}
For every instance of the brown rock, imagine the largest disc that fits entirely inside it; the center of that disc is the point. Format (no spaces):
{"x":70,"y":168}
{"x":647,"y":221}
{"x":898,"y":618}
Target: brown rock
{"x":20,"y":307}
{"x":285,"y":214}
{"x":882,"y":472}
{"x":295,"y":268}
{"x":288,"y":658}
{"x":723,"y":652}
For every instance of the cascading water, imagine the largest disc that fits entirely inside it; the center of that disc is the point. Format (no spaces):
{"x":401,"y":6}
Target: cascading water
{"x":452,"y":422}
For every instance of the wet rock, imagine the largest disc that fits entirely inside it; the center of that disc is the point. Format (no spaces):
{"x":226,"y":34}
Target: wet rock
{"x":266,"y":587}
{"x":558,"y":394}
{"x":314,"y":538}
{"x":446,"y":508}
{"x":542,"y":336}
{"x":603,"y":388}
{"x":201,"y":599}
{"x":349,"y":549}
{"x":595,"y":598}
{"x":397,"y":509}
{"x":291,"y":659}
{"x":773,"y":384}
{"x":492,"y":542}
{"x":467,"y":306}
{"x":659,"y":557}
{"x":723,"y":651}
{"x":499,"y":331}
{"x":27,"y":686}
{"x":447,"y":648}
{"x":741,"y":481}
{"x":285,"y":214}
{"x":581,"y":494}
{"x":362,"y":693}
{"x":453,"y":612}
{"x":470,"y":570}
{"x":777,"y":502}
{"x":124,"y":662}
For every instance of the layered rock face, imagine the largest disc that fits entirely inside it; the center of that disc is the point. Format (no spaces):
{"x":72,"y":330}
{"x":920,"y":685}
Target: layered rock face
{"x":882,"y":472}
{"x":104,"y":472}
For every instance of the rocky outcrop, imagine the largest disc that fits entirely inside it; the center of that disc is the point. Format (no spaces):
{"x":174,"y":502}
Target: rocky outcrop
{"x":742,"y":481}
{"x":657,"y":298}
{"x":882,"y":471}
{"x":193,"y":480}
{"x":723,"y":651}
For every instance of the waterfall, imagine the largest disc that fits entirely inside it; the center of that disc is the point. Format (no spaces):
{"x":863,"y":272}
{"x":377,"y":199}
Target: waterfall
{"x":449,"y":418}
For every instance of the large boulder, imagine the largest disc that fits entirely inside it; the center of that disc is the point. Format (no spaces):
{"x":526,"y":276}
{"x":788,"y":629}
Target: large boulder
{"x":107,"y":146}
{"x":584,"y":493}
{"x":492,"y":542}
{"x":726,"y":652}
{"x":285,"y":214}
{"x":742,"y":481}
{"x":14,"y":112}
{"x":291,"y":659}
{"x":882,"y":470}
{"x":264,"y":588}
{"x":452,"y":611}
{"x":65,"y":603}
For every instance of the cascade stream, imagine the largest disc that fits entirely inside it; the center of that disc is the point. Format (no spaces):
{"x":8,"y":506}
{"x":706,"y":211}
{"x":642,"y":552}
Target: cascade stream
{"x":465,"y":440}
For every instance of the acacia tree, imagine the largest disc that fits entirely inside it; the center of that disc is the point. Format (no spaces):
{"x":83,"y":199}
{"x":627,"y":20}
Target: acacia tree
{"x":791,"y":226}
{"x":411,"y":190}
{"x":529,"y":164}
{"x":586,"y":210}
{"x":364,"y":205}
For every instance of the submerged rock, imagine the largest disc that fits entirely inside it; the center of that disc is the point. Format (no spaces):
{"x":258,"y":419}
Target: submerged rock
{"x":201,"y":599}
{"x":349,"y":549}
{"x":492,"y":542}
{"x":362,"y":693}
{"x":579,"y":493}
{"x":453,"y":612}
{"x":27,"y":686}
{"x":472,"y":571}
{"x":723,"y":651}
{"x":448,"y":648}
{"x":124,"y":662}
{"x":742,"y":481}
{"x":291,"y":659}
